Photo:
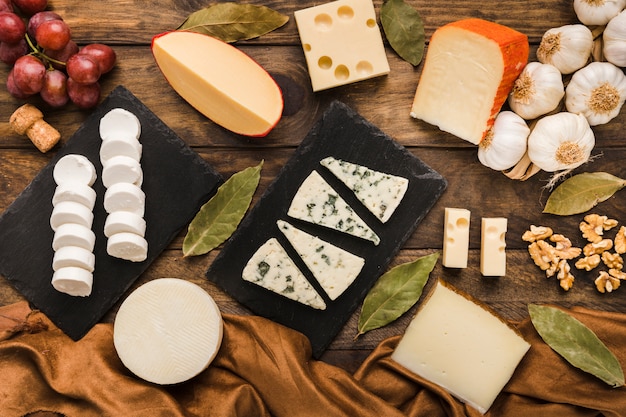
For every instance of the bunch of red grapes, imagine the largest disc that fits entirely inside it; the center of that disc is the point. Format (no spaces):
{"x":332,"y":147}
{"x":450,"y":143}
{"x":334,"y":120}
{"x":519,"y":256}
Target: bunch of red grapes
{"x":45,"y":59}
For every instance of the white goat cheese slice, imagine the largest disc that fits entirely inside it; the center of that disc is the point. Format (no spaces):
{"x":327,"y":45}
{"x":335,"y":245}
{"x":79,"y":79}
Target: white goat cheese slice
{"x":74,"y":168}
{"x":168,"y":331}
{"x":75,"y":191}
{"x":125,"y":197}
{"x":461,"y":346}
{"x":119,"y":123}
{"x":70,"y":212}
{"x":333,"y":267}
{"x":73,"y":234}
{"x":121,"y":168}
{"x":73,"y":256}
{"x":124,"y":221}
{"x":73,"y":281}
{"x":271,"y":267}
{"x":128,"y":246}
{"x":120,"y":146}
{"x":318,"y":203}
{"x":381,"y":193}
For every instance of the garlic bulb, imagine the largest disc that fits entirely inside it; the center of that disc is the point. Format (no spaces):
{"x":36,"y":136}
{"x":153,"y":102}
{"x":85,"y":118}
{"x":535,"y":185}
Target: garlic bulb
{"x":614,"y":39}
{"x":597,"y":12}
{"x":596,"y":91}
{"x":567,"y":47}
{"x":537,"y":90}
{"x":505,"y":143}
{"x":560,"y":141}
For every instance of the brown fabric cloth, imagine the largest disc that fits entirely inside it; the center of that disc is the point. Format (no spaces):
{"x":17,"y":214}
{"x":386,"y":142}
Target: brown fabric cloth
{"x":264,"y":369}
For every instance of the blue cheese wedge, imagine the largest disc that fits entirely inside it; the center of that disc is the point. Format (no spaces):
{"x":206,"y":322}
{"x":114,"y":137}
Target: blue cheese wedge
{"x":271,"y":267}
{"x":318,"y":203}
{"x":334,"y":268}
{"x":381,"y":193}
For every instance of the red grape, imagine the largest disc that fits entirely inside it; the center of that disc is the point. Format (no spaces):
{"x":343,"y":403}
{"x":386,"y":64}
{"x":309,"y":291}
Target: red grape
{"x":62,"y":55}
{"x":83,"y":69}
{"x":12,"y":27}
{"x":14,"y":89}
{"x":30,"y":7}
{"x":10,"y":52}
{"x":84,"y":96}
{"x":37,"y":19}
{"x":6,"y":6}
{"x":104,"y":55}
{"x":28,"y":73}
{"x":53,"y":34}
{"x":54,"y":91}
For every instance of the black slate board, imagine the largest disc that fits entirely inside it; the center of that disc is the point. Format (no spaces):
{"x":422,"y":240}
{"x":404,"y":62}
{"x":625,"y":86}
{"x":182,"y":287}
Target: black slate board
{"x":177,"y":181}
{"x":343,"y":134}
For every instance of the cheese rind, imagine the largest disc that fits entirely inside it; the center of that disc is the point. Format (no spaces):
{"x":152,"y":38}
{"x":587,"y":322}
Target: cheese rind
{"x":381,"y":193}
{"x":469,"y":70}
{"x":455,"y":237}
{"x":492,"y":247}
{"x":342,"y":43}
{"x":334,"y":268}
{"x":318,"y":203}
{"x":271,"y":267}
{"x":461,"y":346}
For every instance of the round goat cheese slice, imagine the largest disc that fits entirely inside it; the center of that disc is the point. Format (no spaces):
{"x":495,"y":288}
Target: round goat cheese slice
{"x":119,"y":123}
{"x":125,"y":197}
{"x":74,"y":168}
{"x":121,"y":168}
{"x":70,"y":212}
{"x":75,"y":191}
{"x":168,"y":331}
{"x":73,"y":281}
{"x":113,"y":147}
{"x":124,"y":221}
{"x":73,"y":234}
{"x":73,"y":256}
{"x":128,"y":246}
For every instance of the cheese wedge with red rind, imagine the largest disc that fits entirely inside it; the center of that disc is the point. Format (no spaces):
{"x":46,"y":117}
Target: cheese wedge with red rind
{"x":220,"y":81}
{"x":469,"y":70}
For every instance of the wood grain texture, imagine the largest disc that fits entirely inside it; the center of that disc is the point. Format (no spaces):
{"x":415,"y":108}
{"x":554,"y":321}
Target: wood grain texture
{"x":385,"y":101}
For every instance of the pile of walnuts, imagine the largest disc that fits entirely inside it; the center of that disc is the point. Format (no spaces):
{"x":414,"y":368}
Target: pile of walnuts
{"x":554,"y":257}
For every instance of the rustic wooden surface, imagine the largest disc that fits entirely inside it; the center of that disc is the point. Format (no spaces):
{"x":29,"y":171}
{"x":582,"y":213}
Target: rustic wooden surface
{"x":128,"y":26}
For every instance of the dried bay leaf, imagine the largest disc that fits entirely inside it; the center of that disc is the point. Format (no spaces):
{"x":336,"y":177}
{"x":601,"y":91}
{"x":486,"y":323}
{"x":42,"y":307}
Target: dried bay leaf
{"x":233,"y":22}
{"x":395,"y":293}
{"x":404,"y":30}
{"x":582,"y":192}
{"x":219,"y":217}
{"x":576,"y":343}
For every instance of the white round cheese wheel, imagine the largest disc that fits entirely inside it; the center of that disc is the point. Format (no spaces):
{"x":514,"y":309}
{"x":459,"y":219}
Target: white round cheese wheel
{"x":75,"y":191}
{"x":119,"y":123}
{"x":128,"y":246}
{"x":73,"y":256}
{"x":125,"y":197}
{"x":70,"y":212}
{"x":124,"y":221}
{"x":73,"y":234}
{"x":73,"y":281}
{"x":120,"y":146}
{"x":74,"y":168}
{"x":121,"y":168}
{"x":168,"y":331}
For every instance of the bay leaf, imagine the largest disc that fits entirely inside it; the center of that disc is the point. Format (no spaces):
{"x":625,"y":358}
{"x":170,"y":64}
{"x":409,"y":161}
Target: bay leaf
{"x":233,"y":22}
{"x":404,"y":30}
{"x":576,"y":343}
{"x":219,"y":217}
{"x":395,"y":292}
{"x":582,"y":192}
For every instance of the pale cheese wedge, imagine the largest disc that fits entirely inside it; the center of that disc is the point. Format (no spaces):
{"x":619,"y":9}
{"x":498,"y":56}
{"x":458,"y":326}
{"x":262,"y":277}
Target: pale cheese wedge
{"x":469,"y":70}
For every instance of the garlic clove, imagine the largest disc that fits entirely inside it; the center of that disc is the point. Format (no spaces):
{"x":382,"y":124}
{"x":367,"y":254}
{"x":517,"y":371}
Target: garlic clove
{"x":560,"y":141}
{"x":596,"y":91}
{"x":537,"y":91}
{"x":567,"y":47}
{"x":597,"y":12}
{"x":614,"y":40}
{"x":505,"y":143}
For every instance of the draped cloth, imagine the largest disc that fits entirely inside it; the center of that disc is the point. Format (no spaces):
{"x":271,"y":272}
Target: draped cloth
{"x":265,"y":369}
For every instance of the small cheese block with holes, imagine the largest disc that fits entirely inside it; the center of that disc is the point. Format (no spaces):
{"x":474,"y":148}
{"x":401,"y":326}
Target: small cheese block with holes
{"x":455,"y":237}
{"x":168,"y":331}
{"x":342,"y":43}
{"x":493,"y":244}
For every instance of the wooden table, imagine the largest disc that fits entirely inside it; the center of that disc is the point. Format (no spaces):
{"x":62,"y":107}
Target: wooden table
{"x":128,"y":26}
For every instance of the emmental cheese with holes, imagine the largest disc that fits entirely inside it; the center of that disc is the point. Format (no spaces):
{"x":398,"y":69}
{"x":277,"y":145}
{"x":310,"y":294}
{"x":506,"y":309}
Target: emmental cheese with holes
{"x":469,"y":70}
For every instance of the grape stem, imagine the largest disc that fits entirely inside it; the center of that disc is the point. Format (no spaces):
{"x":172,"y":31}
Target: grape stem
{"x":40,"y":54}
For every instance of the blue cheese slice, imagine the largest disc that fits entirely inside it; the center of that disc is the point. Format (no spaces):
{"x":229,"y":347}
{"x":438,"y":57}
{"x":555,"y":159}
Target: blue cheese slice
{"x":318,"y":203}
{"x":271,"y":267}
{"x":334,"y":268}
{"x":381,"y":193}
